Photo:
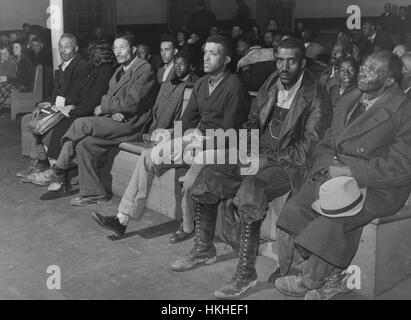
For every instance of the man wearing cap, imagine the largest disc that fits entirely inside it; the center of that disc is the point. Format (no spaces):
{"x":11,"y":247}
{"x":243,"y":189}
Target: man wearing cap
{"x":361,"y":171}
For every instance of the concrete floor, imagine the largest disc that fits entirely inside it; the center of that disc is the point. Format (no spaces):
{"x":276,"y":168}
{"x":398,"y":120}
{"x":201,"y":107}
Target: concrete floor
{"x":35,"y":235}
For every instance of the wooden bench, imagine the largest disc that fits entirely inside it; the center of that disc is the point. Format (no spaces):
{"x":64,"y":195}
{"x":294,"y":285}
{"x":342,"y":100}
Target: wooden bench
{"x":24,"y":102}
{"x":384,"y":254}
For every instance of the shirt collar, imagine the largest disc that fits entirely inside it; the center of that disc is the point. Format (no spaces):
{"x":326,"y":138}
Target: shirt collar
{"x":65,"y":64}
{"x":295,"y":87}
{"x":214,"y":81}
{"x":129,"y":65}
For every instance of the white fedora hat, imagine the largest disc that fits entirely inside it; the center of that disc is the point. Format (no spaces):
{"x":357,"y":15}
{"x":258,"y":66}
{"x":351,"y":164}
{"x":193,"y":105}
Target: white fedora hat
{"x":340,"y":197}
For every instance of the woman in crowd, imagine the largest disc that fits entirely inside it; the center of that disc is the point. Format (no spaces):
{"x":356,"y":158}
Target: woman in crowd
{"x":346,"y":80}
{"x":8,"y":64}
{"x":182,"y":44}
{"x":22,"y":81}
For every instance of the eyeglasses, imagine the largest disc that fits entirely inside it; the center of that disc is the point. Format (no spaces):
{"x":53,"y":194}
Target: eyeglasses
{"x":367,"y":71}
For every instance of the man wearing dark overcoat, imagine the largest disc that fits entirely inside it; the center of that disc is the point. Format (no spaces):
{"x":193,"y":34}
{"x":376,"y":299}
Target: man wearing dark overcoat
{"x":369,"y":140}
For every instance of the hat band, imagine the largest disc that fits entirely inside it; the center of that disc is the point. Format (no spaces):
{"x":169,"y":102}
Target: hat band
{"x":345,"y":209}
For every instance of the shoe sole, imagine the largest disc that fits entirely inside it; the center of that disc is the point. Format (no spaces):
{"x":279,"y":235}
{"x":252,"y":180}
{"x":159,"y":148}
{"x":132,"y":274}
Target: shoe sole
{"x":205,"y":263}
{"x":185,"y":239}
{"x":93,"y":215}
{"x":302,"y":295}
{"x":89,"y":203}
{"x":42,"y":184}
{"x":237,"y":295}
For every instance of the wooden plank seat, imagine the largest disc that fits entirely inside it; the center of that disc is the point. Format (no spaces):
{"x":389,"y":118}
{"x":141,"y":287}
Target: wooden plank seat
{"x":384,"y":253}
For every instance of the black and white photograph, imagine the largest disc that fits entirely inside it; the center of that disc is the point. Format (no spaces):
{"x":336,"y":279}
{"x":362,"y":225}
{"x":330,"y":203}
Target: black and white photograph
{"x":205,"y":154}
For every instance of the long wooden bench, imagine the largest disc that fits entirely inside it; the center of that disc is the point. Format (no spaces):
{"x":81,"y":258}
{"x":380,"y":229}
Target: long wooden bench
{"x":384,"y":254}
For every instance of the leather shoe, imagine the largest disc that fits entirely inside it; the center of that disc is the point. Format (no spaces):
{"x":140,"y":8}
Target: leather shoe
{"x":180,"y":235}
{"x":110,"y":223}
{"x":58,"y":194}
{"x":85,"y":201}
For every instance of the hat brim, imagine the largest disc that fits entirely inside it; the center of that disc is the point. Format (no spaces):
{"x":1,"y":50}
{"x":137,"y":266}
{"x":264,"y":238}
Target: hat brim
{"x":350,"y":213}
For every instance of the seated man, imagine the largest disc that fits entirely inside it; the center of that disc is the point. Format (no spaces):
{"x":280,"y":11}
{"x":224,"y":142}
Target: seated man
{"x":345,"y":81}
{"x":168,"y":107}
{"x":341,"y":50}
{"x":168,"y":51}
{"x":255,"y":65}
{"x":218,"y":101}
{"x":72,"y":71}
{"x":292,"y":113}
{"x":119,"y":118}
{"x":406,"y":74}
{"x":366,"y":147}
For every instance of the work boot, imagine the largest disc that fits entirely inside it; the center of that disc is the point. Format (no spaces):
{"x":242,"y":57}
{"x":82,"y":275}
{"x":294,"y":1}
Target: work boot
{"x":292,"y":285}
{"x":335,"y":285}
{"x":35,"y":166}
{"x":55,"y":174}
{"x":246,"y":275}
{"x":204,"y":251}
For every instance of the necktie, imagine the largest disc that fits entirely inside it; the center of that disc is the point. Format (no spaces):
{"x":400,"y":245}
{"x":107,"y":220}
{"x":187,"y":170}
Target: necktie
{"x":119,"y":75}
{"x":358,"y":111}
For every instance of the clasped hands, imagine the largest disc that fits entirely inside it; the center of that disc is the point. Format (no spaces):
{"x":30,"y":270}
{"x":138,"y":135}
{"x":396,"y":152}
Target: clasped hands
{"x":339,"y":169}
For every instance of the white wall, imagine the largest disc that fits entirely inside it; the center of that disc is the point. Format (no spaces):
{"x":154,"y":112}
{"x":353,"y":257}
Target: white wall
{"x":338,"y":8}
{"x":13,"y":13}
{"x":155,"y":11}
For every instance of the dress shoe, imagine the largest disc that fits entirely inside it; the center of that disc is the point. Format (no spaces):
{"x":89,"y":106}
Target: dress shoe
{"x":110,"y":223}
{"x":292,"y":286}
{"x":86,"y":201}
{"x":180,"y":235}
{"x":58,"y":194}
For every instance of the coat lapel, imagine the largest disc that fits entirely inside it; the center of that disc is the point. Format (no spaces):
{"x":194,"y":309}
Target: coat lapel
{"x":299,"y":105}
{"x":116,"y":86}
{"x":379,"y":113}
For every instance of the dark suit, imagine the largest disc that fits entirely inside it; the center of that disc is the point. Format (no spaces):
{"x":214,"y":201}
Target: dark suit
{"x":133,"y":96}
{"x":382,"y":41}
{"x":160,"y":74}
{"x":65,"y":84}
{"x":375,"y":147}
{"x":90,"y":91}
{"x":168,"y":106}
{"x":389,"y":22}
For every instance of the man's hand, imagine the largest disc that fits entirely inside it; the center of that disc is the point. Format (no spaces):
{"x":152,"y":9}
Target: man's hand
{"x":119,"y":117}
{"x":97,"y":111}
{"x":339,"y":171}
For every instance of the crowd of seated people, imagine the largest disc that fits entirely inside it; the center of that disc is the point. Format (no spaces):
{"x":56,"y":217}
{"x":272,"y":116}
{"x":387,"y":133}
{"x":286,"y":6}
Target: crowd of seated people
{"x":21,"y":52}
{"x":341,"y":171}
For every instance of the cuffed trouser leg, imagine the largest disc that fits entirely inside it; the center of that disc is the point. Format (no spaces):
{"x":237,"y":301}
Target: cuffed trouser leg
{"x":133,"y":203}
{"x":89,"y":151}
{"x":66,"y":155}
{"x":315,"y":270}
